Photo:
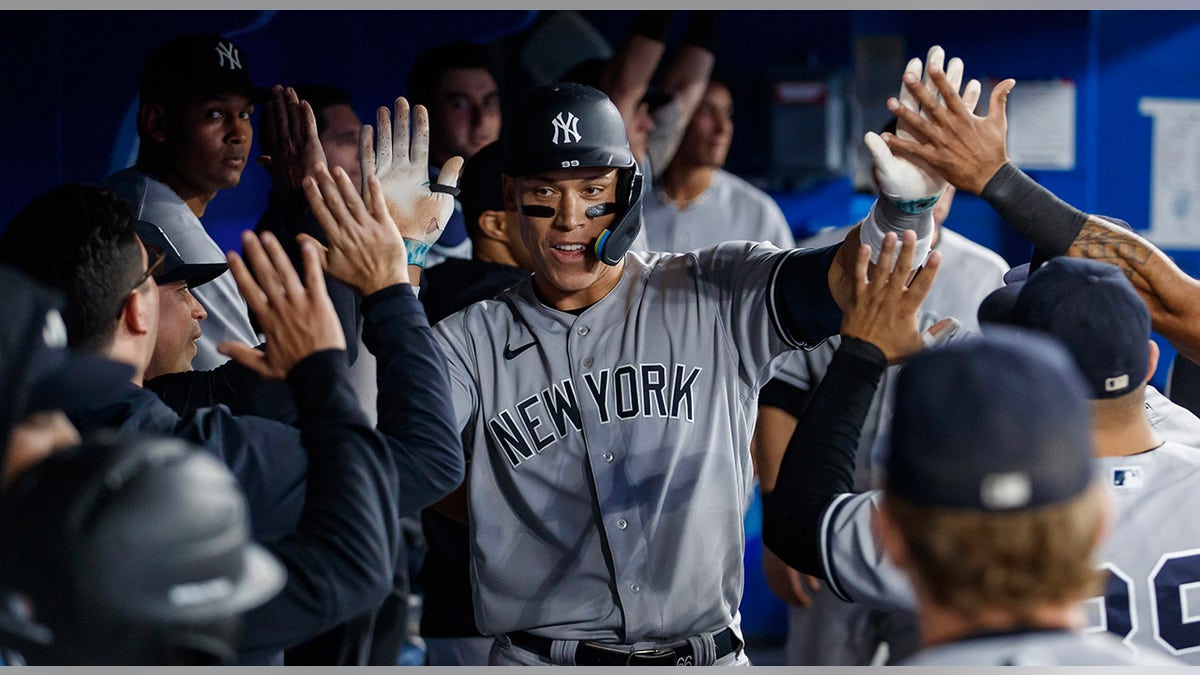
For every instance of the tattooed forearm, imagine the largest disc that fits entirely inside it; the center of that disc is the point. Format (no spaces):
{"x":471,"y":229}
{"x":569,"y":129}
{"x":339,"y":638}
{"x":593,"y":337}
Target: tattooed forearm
{"x":1110,"y":243}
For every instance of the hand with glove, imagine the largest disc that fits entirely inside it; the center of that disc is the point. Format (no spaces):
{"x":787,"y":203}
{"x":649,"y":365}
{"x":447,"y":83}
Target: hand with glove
{"x":419,"y":208}
{"x":908,"y":187}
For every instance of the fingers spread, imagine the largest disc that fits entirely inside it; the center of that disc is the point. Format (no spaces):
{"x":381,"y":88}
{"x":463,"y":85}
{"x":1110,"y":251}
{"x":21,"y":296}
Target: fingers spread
{"x":400,"y":149}
{"x":256,"y":300}
{"x":954,"y":73}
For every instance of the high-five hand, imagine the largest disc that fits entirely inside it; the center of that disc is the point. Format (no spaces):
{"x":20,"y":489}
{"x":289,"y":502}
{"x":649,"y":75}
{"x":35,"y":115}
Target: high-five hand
{"x":420,"y":209}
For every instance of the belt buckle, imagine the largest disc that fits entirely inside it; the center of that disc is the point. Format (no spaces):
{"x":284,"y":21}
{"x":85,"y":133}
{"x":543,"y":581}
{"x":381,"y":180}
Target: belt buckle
{"x":656,"y":655}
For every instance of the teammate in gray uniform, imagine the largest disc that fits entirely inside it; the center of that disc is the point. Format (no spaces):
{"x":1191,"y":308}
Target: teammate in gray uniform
{"x":607,"y":403}
{"x":995,"y":522}
{"x":697,"y":203}
{"x":1149,"y":562}
{"x":194,"y":127}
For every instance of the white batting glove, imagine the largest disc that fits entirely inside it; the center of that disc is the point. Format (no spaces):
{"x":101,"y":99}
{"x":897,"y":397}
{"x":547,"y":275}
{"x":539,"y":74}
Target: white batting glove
{"x":909,"y":189}
{"x":420,"y":209}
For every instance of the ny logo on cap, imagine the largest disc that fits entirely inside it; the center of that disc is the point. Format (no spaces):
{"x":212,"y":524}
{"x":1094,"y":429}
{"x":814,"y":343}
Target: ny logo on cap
{"x":569,"y":128}
{"x":226,"y":50}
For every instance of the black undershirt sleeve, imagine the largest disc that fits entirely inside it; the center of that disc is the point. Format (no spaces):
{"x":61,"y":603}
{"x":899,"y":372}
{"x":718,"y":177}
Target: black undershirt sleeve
{"x":819,"y":462}
{"x":801,"y":302}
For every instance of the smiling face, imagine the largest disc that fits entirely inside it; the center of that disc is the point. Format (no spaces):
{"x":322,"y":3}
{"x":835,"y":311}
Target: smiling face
{"x":562,"y":248}
{"x":179,"y":317}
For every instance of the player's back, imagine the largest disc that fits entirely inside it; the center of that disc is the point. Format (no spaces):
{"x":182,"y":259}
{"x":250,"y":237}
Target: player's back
{"x":1152,"y":594}
{"x":1033,"y":648}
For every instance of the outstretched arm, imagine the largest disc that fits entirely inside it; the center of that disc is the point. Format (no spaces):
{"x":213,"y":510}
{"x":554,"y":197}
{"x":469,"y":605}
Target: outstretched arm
{"x":879,"y":327}
{"x":686,"y":78}
{"x":368,"y":250}
{"x":970,"y":151}
{"x":341,"y":556}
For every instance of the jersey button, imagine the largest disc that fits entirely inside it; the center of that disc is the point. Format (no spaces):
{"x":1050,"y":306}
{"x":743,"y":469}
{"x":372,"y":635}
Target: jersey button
{"x":587,"y":362}
{"x":635,"y":588}
{"x":622,"y":524}
{"x":583,"y":330}
{"x":608,"y":456}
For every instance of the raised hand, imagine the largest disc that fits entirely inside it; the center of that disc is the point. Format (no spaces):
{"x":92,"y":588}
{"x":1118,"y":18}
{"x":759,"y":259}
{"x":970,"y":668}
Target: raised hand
{"x":291,"y":143}
{"x":883,"y":307}
{"x":298,"y":319}
{"x":365,"y":249}
{"x":909,"y":183}
{"x":419,"y":209}
{"x":964,"y":148}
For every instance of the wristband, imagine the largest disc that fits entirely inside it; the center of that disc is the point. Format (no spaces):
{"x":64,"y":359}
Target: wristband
{"x":654,"y":24}
{"x":1037,"y":213}
{"x":703,"y":30}
{"x":416,"y":251}
{"x":886,"y":216}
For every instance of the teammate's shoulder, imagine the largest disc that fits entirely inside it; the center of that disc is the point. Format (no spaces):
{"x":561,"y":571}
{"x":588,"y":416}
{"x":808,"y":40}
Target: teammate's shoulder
{"x":487,"y":311}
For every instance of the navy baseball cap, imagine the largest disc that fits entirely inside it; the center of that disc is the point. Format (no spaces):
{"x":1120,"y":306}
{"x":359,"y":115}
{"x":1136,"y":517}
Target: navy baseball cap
{"x":174,"y":268}
{"x":997,"y":422}
{"x":1094,"y":311}
{"x":197,"y":64}
{"x":39,"y":372}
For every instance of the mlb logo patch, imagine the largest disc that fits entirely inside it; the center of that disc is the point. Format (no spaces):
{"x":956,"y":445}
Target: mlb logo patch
{"x":1127,"y":477}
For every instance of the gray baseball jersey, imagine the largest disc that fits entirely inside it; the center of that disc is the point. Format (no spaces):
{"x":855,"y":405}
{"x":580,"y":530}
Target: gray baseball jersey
{"x":730,"y":209}
{"x":228,"y":317}
{"x":610,"y":462}
{"x":1152,"y":553}
{"x":1035,"y":648}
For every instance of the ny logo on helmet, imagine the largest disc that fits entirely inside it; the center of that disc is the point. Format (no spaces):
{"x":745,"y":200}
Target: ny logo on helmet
{"x":226,"y":50}
{"x":568,"y":127}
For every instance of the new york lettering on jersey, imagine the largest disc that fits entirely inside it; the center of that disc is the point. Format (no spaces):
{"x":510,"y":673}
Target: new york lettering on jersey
{"x":626,"y":392}
{"x":610,"y":448}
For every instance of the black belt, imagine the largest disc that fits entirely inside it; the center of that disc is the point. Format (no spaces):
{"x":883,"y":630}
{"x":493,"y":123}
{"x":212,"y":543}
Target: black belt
{"x":600,"y":654}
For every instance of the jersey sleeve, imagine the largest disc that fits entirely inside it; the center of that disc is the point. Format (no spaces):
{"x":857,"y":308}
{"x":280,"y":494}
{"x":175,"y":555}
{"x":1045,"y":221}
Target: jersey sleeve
{"x":853,"y":560}
{"x":451,"y":336}
{"x":745,"y":278}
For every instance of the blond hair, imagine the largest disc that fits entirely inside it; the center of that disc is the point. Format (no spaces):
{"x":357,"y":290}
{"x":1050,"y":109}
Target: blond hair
{"x":968,"y":560}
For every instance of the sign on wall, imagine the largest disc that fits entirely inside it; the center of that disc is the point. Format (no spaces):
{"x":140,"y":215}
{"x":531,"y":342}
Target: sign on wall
{"x":1174,"y":171}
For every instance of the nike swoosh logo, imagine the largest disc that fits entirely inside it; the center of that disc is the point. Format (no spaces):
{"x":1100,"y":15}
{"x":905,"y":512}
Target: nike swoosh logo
{"x":510,"y":354}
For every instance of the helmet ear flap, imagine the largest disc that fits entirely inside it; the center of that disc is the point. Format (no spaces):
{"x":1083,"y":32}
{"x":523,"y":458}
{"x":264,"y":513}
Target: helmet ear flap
{"x":614,"y":242}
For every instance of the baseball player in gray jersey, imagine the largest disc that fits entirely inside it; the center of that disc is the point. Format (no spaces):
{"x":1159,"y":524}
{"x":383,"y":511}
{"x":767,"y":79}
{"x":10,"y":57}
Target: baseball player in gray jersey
{"x":1150,"y":562}
{"x":607,"y":402}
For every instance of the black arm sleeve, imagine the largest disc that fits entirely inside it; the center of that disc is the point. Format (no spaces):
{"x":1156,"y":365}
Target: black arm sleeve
{"x":342,"y":555}
{"x":801,"y":302}
{"x":416,"y":413}
{"x":1038,"y":214}
{"x":819,"y":462}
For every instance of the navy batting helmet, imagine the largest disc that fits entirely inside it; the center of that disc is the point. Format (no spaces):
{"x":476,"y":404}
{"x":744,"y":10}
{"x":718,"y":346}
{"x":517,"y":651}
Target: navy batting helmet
{"x":567,"y":125}
{"x":130,"y":551}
